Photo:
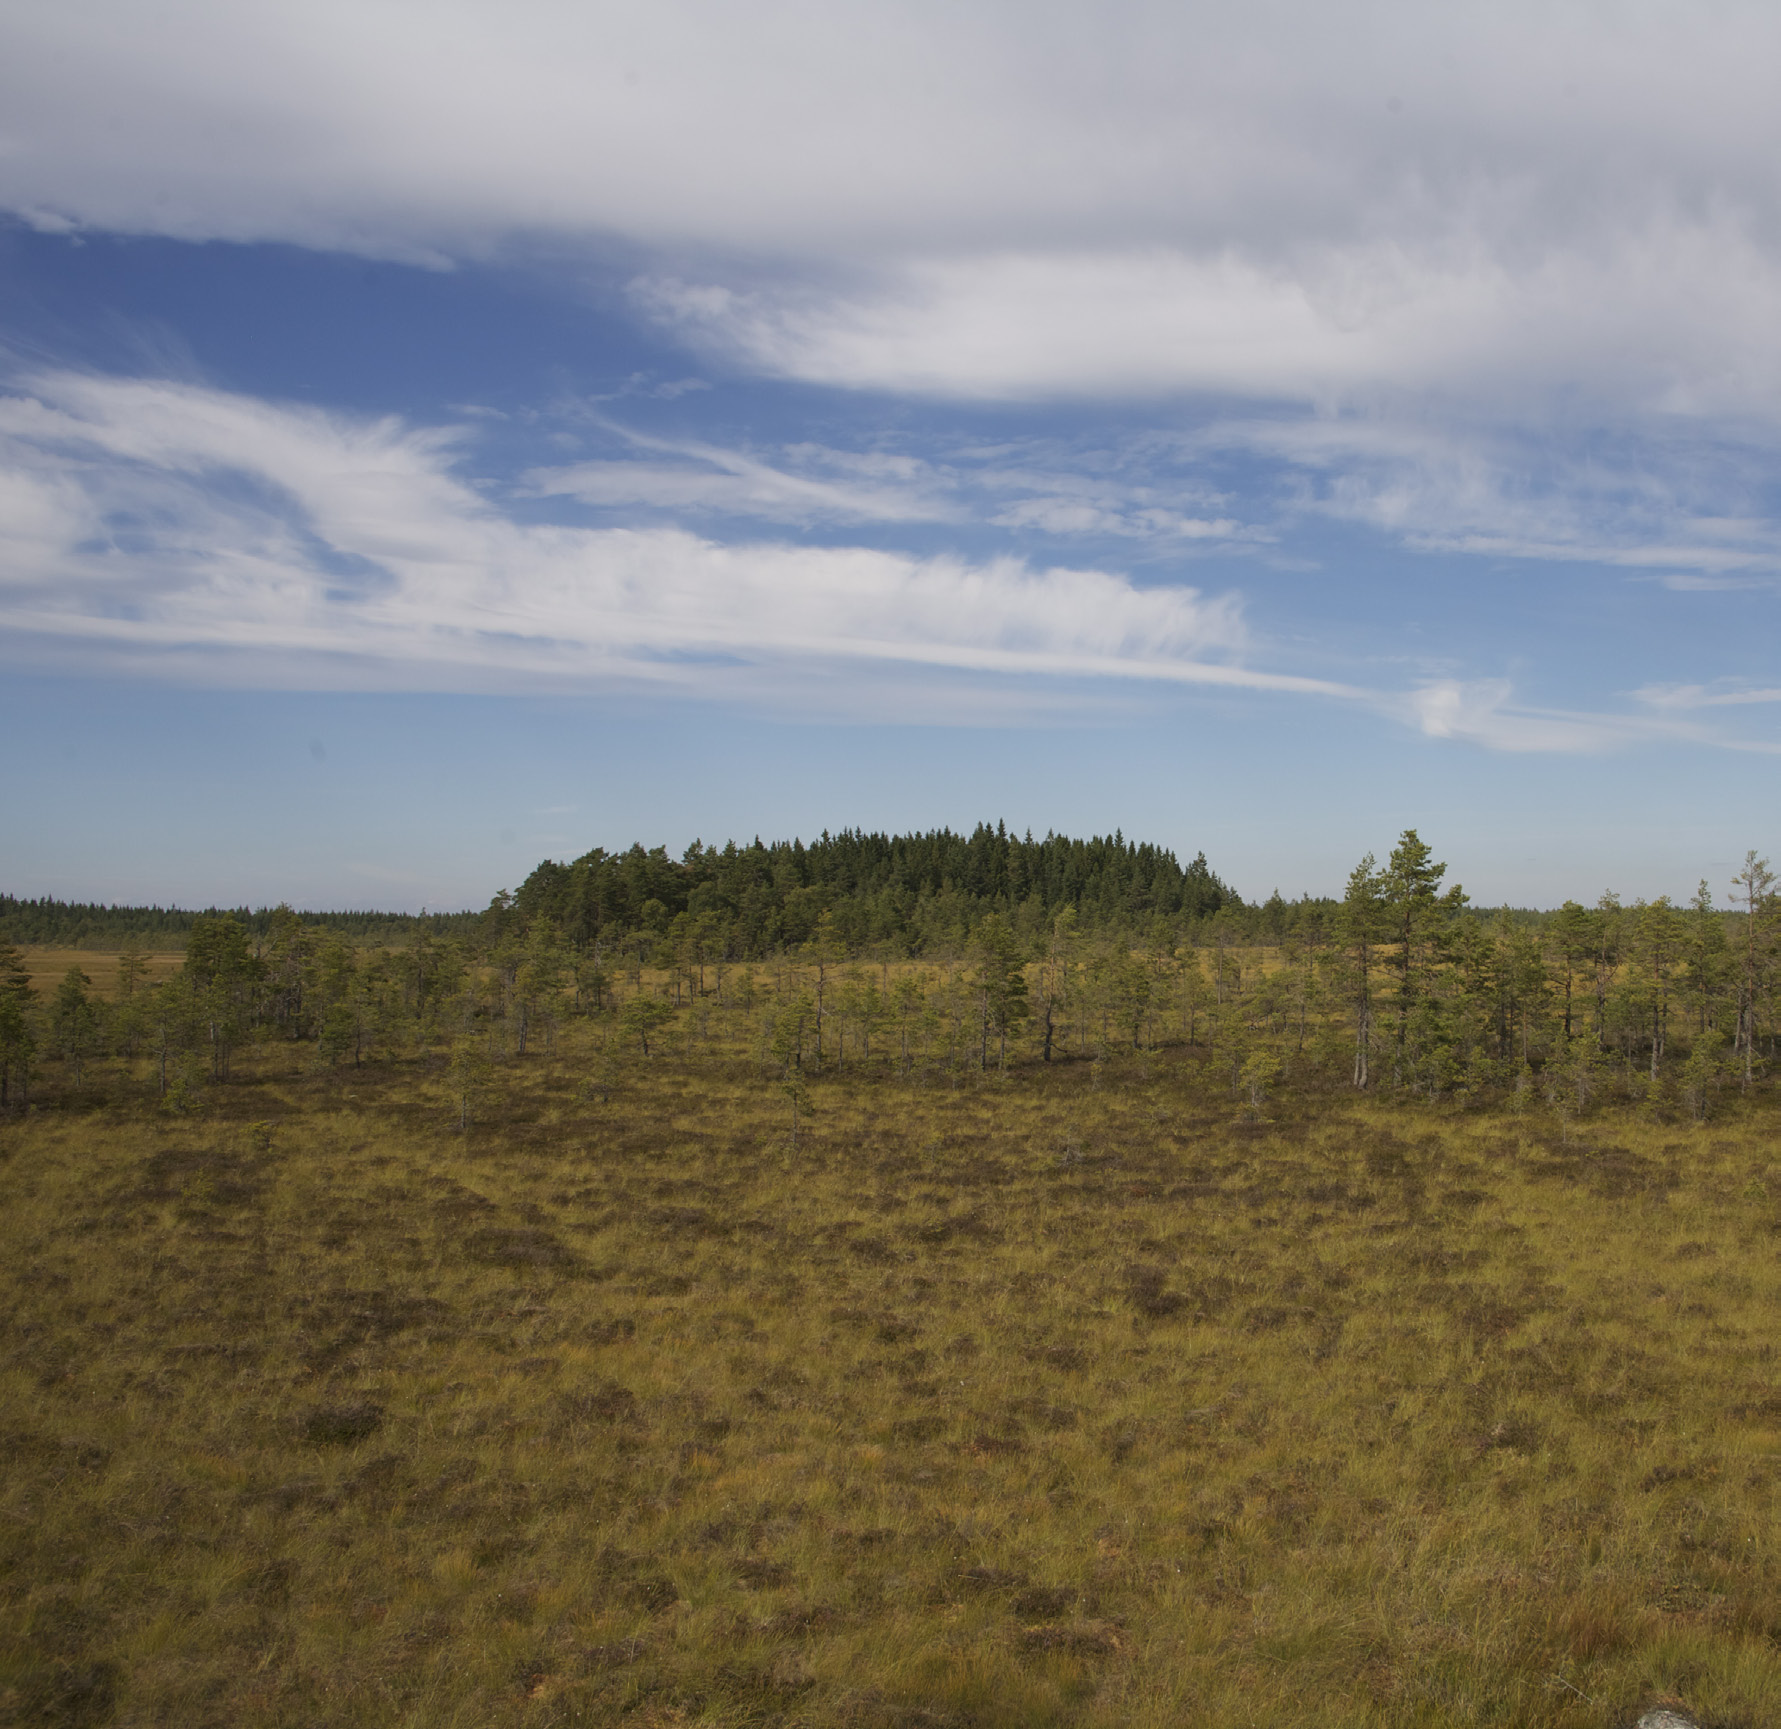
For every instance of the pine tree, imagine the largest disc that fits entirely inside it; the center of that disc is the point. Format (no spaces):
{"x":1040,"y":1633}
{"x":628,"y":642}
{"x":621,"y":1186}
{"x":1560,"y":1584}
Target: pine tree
{"x":222,"y":970}
{"x":1656,"y":948}
{"x":74,"y":1020}
{"x":1705,"y":965}
{"x":1001,"y":985}
{"x":641,"y":1017}
{"x":1754,"y":889}
{"x":1574,"y":937}
{"x":1420,"y":920}
{"x":1361,"y":925}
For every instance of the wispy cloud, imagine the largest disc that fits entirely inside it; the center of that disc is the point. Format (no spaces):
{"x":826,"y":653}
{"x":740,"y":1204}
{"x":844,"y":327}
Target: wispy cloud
{"x":1695,"y":510}
{"x":1033,"y":486}
{"x":692,"y":476}
{"x":1682,"y":698}
{"x":168,"y":521}
{"x":1486,"y":712}
{"x":1690,"y":506}
{"x":207,"y":535}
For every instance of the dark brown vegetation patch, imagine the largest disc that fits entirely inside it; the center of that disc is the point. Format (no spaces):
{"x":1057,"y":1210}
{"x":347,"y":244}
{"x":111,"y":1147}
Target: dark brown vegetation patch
{"x":343,"y":1425}
{"x":1098,"y":1639}
{"x":520,"y":1246}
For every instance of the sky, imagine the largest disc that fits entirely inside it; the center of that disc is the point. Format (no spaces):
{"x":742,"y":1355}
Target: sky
{"x":438,"y":437}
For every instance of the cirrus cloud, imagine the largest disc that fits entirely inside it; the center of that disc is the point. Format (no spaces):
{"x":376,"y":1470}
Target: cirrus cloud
{"x":155,"y":518}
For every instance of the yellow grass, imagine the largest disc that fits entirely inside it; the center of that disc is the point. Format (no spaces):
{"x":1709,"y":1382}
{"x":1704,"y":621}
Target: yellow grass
{"x":49,"y":966}
{"x":1060,"y":1398}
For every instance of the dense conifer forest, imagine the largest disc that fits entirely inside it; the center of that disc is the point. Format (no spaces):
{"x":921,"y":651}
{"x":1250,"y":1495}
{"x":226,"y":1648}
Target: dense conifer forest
{"x":910,"y":893}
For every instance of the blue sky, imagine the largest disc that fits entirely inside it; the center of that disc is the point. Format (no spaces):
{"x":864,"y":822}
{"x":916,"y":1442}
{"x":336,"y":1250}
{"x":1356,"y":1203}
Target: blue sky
{"x":434,"y":438}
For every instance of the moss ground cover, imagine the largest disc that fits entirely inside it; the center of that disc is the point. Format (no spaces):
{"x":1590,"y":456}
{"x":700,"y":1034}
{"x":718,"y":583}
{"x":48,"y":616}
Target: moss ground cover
{"x":1060,"y":1396}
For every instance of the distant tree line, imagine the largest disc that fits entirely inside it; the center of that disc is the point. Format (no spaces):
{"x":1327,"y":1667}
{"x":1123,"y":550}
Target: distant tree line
{"x":942,"y":953}
{"x":50,"y":923}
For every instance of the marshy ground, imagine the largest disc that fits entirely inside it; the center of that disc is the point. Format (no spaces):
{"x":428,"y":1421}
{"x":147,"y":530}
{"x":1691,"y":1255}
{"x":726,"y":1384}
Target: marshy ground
{"x":1060,"y":1397}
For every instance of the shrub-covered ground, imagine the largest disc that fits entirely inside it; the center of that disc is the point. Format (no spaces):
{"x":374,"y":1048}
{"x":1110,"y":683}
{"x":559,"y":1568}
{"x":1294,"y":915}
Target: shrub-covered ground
{"x":1065,"y":1396}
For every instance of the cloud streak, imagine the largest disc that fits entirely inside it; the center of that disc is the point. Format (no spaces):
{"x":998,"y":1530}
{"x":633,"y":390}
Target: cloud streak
{"x":692,"y":476}
{"x":1485,"y":712}
{"x":165,"y":520}
{"x":211,"y":536}
{"x":1678,"y":500}
{"x":1027,"y":485}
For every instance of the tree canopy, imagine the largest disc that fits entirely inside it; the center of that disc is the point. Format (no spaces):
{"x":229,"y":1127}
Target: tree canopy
{"x":910,"y":892}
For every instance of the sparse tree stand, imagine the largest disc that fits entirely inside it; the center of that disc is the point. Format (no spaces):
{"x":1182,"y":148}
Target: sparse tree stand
{"x":127,"y":1013}
{"x":1609,"y":918}
{"x":538,"y":984}
{"x":1191,"y":998}
{"x":1706,"y":963}
{"x":1124,"y":988}
{"x":287,"y":956}
{"x":173,"y":1020}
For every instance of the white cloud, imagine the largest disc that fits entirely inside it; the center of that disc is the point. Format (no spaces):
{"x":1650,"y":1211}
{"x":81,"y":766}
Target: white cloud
{"x":212,"y":536}
{"x":181,"y":525}
{"x":1668,"y":312}
{"x":1277,"y":199}
{"x":1475,"y":242}
{"x":1487,"y":712}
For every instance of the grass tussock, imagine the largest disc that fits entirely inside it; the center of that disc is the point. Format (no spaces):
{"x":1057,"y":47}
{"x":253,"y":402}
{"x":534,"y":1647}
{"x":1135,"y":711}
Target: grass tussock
{"x":1051,"y":1398}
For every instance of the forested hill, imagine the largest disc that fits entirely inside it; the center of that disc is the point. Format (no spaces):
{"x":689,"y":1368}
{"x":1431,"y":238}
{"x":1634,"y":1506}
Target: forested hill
{"x":77,"y":924}
{"x":915,"y":891}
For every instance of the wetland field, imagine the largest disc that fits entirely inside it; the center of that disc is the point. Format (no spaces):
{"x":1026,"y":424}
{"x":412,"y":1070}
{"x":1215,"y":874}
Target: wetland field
{"x":565,"y":1388}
